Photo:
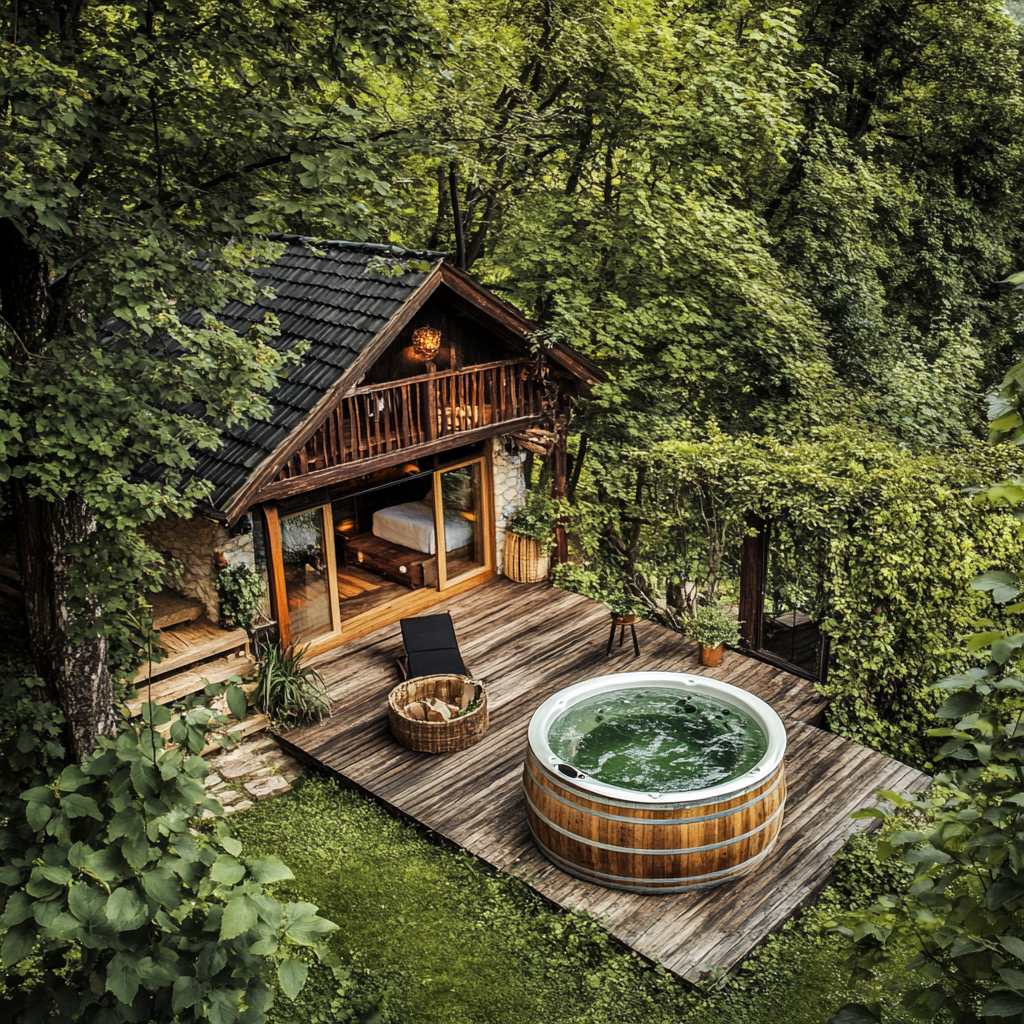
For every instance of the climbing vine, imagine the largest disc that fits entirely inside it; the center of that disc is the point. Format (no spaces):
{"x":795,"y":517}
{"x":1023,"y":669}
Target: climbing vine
{"x":898,"y":539}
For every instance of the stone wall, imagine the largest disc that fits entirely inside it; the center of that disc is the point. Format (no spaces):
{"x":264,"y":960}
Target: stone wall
{"x":509,"y":489}
{"x":197,"y":545}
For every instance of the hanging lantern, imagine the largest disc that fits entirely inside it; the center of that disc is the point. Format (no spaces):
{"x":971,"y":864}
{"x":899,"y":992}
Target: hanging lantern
{"x":426,"y":341}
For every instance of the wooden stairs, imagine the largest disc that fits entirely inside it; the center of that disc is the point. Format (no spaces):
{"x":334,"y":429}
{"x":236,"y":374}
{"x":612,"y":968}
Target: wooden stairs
{"x":197,"y":652}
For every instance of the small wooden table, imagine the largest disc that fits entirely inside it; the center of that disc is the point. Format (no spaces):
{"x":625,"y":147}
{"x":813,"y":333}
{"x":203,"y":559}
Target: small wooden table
{"x":622,"y":621}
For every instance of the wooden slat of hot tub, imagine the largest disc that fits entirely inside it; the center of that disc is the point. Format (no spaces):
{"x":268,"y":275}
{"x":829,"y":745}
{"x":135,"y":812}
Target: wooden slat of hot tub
{"x":527,"y":642}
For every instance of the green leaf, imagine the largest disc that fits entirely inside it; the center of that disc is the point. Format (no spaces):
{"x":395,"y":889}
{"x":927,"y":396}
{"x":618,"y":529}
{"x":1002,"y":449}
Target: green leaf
{"x":227,"y":870}
{"x":87,"y":904}
{"x":75,"y":805}
{"x":1003,"y":649}
{"x":125,"y":910}
{"x":161,"y":885}
{"x":291,"y":974}
{"x":37,"y":815}
{"x":980,"y":640}
{"x":237,"y":701}
{"x":966,"y":702}
{"x":239,"y":916}
{"x":1012,"y":945}
{"x":186,"y":992}
{"x":223,"y":1006}
{"x":1003,"y":1004}
{"x":231,"y":845}
{"x":123,"y":977}
{"x":269,"y":869}
{"x":18,"y":943}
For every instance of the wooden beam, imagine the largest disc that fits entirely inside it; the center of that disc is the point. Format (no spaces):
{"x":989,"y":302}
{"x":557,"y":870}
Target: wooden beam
{"x":270,"y":466}
{"x":275,"y":573}
{"x":349,"y":470}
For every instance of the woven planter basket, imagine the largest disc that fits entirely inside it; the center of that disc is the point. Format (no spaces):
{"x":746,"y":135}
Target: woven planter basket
{"x":523,"y":561}
{"x":435,"y":737}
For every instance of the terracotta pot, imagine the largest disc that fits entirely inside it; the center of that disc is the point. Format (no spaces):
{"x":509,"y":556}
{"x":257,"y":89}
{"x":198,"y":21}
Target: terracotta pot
{"x":711,"y":657}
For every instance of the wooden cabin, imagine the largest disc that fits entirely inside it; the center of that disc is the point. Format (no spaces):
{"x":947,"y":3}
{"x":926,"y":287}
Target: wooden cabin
{"x":393,"y":457}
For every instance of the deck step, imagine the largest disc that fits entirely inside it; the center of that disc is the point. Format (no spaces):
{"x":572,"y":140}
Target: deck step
{"x":168,"y":689}
{"x":191,"y":644}
{"x":256,"y":722}
{"x":173,"y":609}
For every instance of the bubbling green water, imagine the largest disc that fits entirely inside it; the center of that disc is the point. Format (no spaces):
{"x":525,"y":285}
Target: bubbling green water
{"x":657,"y":739}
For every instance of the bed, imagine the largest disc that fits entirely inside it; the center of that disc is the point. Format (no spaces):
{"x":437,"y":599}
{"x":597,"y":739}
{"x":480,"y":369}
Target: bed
{"x":412,"y":526}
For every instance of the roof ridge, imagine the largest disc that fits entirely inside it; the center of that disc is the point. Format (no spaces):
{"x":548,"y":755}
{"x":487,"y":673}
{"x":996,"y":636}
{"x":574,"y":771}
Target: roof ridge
{"x":384,"y":248}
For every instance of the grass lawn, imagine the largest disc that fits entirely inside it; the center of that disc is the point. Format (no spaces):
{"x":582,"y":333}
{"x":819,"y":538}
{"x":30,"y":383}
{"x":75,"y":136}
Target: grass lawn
{"x":433,"y":936}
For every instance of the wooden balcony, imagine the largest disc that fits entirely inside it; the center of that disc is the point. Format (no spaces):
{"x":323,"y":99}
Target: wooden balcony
{"x":426,"y":413}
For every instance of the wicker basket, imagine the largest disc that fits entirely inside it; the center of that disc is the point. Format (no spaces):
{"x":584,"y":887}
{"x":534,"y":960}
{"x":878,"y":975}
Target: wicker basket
{"x":436,"y":737}
{"x":523,"y":561}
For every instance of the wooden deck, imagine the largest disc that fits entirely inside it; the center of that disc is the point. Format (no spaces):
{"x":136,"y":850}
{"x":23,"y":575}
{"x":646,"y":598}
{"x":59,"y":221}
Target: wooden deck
{"x":527,"y":642}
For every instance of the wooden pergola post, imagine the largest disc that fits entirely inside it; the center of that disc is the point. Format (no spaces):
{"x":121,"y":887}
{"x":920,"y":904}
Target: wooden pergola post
{"x":559,"y":489}
{"x":753,"y":568}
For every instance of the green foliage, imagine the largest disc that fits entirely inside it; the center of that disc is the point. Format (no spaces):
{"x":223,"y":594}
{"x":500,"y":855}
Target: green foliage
{"x":119,"y":911}
{"x":289,"y":690}
{"x":599,"y":584}
{"x":31,"y":752}
{"x":536,"y":519}
{"x":893,"y":535}
{"x":710,"y":628}
{"x":139,"y":207}
{"x":240,"y":590}
{"x":964,"y":909}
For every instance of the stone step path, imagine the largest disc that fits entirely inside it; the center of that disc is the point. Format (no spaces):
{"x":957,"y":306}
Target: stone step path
{"x":252,"y":770}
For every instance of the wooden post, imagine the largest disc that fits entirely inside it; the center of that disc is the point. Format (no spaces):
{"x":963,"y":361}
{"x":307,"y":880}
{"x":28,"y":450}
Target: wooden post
{"x":275,"y":573}
{"x":559,"y":478}
{"x":753,"y":569}
{"x":430,"y":386}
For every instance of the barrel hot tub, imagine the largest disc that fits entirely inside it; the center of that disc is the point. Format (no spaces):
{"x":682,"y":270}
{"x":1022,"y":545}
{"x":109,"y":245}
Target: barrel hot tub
{"x":655,"y":782}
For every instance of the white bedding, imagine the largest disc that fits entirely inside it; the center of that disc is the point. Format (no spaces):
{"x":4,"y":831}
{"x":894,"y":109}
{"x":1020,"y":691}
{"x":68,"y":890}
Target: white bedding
{"x":412,"y":526}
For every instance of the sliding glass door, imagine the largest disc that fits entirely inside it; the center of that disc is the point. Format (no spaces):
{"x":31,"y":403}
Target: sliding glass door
{"x":307,"y":554}
{"x":461,"y":515}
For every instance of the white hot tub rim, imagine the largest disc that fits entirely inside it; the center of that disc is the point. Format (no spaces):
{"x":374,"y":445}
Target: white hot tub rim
{"x":762,"y":712}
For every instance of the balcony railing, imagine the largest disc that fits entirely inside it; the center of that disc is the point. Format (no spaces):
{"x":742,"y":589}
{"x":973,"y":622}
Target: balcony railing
{"x":383,"y":418}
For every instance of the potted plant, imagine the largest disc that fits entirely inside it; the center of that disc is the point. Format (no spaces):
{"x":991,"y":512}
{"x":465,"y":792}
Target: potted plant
{"x":712,"y":630}
{"x":529,"y":537}
{"x":240,"y":590}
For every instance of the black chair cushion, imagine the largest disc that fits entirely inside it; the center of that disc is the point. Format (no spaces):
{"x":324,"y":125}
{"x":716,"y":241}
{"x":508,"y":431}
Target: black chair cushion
{"x":429,"y":633}
{"x":436,"y":663}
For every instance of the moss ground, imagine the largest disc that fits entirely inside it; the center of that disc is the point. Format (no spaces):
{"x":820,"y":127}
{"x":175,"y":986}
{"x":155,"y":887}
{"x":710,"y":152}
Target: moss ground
{"x":433,"y":936}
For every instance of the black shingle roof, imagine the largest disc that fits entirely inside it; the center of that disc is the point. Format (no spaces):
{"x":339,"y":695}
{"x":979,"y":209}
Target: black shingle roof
{"x":332,"y":301}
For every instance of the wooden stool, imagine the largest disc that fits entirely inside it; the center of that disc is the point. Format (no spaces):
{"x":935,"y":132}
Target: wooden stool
{"x":622,"y":621}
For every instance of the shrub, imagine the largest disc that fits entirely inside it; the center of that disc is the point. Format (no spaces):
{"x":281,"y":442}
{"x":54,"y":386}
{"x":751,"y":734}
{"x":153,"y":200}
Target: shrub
{"x":536,"y":519}
{"x":710,"y":628}
{"x":120,"y":912}
{"x":288,"y":689}
{"x":240,"y":590}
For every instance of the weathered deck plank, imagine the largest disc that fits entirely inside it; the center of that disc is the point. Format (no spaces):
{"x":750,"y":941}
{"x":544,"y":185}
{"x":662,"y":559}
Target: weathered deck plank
{"x":529,"y":641}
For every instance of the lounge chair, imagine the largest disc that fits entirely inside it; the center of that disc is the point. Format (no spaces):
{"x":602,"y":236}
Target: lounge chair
{"x":431,"y":647}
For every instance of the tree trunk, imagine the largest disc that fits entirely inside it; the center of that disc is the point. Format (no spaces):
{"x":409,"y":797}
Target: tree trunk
{"x":75,"y":672}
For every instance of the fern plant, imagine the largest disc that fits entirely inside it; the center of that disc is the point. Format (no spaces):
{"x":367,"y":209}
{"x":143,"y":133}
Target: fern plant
{"x":287,"y":689}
